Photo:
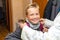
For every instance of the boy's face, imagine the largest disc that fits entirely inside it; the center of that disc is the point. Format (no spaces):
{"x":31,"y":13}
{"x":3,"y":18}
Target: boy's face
{"x":33,"y":15}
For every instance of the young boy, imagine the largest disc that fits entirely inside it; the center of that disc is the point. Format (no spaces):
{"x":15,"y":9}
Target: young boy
{"x":32,"y":21}
{"x":52,"y":34}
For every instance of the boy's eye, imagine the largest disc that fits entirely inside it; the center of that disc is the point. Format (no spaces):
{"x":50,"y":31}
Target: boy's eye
{"x":34,"y":14}
{"x":31,"y":14}
{"x":37,"y":13}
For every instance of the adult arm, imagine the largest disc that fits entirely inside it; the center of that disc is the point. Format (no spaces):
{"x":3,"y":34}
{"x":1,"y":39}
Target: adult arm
{"x":48,"y":23}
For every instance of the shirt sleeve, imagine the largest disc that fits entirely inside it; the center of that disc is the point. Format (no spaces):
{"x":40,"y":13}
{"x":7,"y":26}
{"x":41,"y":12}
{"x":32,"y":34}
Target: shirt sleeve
{"x":48,"y":23}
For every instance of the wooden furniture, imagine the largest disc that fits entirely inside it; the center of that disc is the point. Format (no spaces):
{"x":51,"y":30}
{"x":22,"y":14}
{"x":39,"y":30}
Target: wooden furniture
{"x":42,"y":4}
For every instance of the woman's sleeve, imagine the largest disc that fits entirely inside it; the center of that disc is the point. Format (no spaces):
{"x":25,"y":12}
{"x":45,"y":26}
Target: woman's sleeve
{"x":48,"y":23}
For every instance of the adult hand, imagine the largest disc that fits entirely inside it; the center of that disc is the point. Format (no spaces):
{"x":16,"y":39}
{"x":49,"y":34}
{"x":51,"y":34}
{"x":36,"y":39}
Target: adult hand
{"x":22,"y":25}
{"x":45,"y":29}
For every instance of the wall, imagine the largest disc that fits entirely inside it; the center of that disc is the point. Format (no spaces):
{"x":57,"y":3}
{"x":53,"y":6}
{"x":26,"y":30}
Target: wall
{"x":25,"y":3}
{"x":18,"y":10}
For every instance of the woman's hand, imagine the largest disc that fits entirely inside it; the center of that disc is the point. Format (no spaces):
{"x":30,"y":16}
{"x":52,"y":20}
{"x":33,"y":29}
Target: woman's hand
{"x":45,"y":29}
{"x":22,"y":25}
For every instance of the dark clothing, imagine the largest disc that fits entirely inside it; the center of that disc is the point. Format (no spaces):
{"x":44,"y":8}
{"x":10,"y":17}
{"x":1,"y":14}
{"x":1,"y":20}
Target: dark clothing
{"x":17,"y":34}
{"x":55,"y":9}
{"x":51,"y":9}
{"x":48,"y":10}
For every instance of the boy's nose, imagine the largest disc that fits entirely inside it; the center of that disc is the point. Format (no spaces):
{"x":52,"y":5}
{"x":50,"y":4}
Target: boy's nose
{"x":35,"y":16}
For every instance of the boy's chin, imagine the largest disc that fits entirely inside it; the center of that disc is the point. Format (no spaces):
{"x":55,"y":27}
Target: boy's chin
{"x":35,"y":23}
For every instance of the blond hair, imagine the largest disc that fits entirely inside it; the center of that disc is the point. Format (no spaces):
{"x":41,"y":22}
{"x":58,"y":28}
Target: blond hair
{"x":31,"y":6}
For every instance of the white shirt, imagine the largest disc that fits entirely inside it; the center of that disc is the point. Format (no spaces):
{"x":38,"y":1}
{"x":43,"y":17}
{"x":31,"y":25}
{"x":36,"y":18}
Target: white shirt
{"x":52,"y":34}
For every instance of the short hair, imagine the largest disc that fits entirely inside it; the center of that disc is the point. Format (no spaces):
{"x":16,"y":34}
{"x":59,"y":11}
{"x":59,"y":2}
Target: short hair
{"x":21,"y":21}
{"x":31,"y":6}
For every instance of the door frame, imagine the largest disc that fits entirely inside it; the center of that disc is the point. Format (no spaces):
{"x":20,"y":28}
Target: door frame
{"x":9,"y":15}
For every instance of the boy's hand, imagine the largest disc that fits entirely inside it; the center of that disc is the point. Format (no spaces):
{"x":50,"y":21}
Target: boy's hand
{"x":42,"y":21}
